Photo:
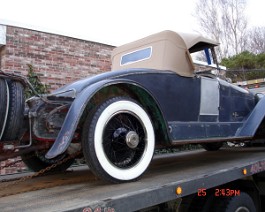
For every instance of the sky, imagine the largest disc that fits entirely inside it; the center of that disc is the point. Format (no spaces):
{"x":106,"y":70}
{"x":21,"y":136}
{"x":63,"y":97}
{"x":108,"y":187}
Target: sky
{"x":113,"y":22}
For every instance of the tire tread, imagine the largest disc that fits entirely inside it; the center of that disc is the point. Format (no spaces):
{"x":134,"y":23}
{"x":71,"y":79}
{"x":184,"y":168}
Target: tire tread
{"x":3,"y":105}
{"x":16,"y":110}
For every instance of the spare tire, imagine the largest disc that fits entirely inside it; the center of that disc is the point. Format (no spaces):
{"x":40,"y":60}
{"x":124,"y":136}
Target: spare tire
{"x":15,"y":112}
{"x":4,"y":105}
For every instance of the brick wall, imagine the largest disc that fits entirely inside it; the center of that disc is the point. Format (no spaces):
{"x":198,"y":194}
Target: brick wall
{"x":11,"y":166}
{"x":57,"y":59}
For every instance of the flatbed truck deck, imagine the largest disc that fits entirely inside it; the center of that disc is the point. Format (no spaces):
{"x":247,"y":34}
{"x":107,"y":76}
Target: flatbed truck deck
{"x":170,"y":177}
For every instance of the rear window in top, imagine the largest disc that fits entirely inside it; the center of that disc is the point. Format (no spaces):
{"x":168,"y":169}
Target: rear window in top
{"x":136,"y":56}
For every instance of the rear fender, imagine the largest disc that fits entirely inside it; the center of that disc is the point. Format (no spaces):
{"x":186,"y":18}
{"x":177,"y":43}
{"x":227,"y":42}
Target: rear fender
{"x":253,"y":121}
{"x":72,"y":118}
{"x":75,"y":113}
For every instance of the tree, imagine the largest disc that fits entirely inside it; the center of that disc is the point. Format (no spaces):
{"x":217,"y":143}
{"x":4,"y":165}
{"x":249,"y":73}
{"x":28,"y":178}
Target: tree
{"x":245,"y":66}
{"x":224,"y":21}
{"x":256,"y":37}
{"x":244,"y":60}
{"x":208,"y":16}
{"x":35,"y":82}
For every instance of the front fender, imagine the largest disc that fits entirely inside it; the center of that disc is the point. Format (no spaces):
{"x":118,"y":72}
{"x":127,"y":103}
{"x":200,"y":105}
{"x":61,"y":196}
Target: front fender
{"x":72,"y":118}
{"x":252,"y":123}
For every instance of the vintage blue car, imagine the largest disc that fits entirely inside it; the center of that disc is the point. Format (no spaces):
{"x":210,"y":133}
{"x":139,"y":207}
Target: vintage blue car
{"x":153,"y":97}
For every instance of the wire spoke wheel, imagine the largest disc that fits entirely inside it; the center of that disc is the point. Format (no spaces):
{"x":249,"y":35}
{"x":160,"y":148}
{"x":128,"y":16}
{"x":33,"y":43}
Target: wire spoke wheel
{"x":124,"y":140}
{"x":118,"y":140}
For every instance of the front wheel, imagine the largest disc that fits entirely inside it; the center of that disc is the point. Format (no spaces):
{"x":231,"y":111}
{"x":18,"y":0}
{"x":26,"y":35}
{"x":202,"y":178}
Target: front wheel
{"x":118,"y":140}
{"x":212,"y":146}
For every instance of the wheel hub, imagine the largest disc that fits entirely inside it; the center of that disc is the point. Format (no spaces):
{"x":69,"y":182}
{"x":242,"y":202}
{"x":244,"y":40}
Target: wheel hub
{"x":132,"y":139}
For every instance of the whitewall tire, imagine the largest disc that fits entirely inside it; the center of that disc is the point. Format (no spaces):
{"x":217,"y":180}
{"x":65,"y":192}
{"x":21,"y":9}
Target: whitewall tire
{"x":118,"y":140}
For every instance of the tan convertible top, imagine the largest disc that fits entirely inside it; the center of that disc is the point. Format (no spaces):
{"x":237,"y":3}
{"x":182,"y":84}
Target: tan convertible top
{"x":196,"y":42}
{"x":166,"y":50}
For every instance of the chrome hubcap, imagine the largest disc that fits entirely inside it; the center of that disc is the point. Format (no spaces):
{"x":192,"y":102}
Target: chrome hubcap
{"x":132,"y":139}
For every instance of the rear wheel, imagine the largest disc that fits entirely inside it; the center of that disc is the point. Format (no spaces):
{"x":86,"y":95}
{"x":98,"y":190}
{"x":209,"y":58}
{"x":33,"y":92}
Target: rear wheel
{"x":212,"y":146}
{"x":209,"y":203}
{"x":118,"y":140}
{"x":241,"y":203}
{"x":36,"y":161}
